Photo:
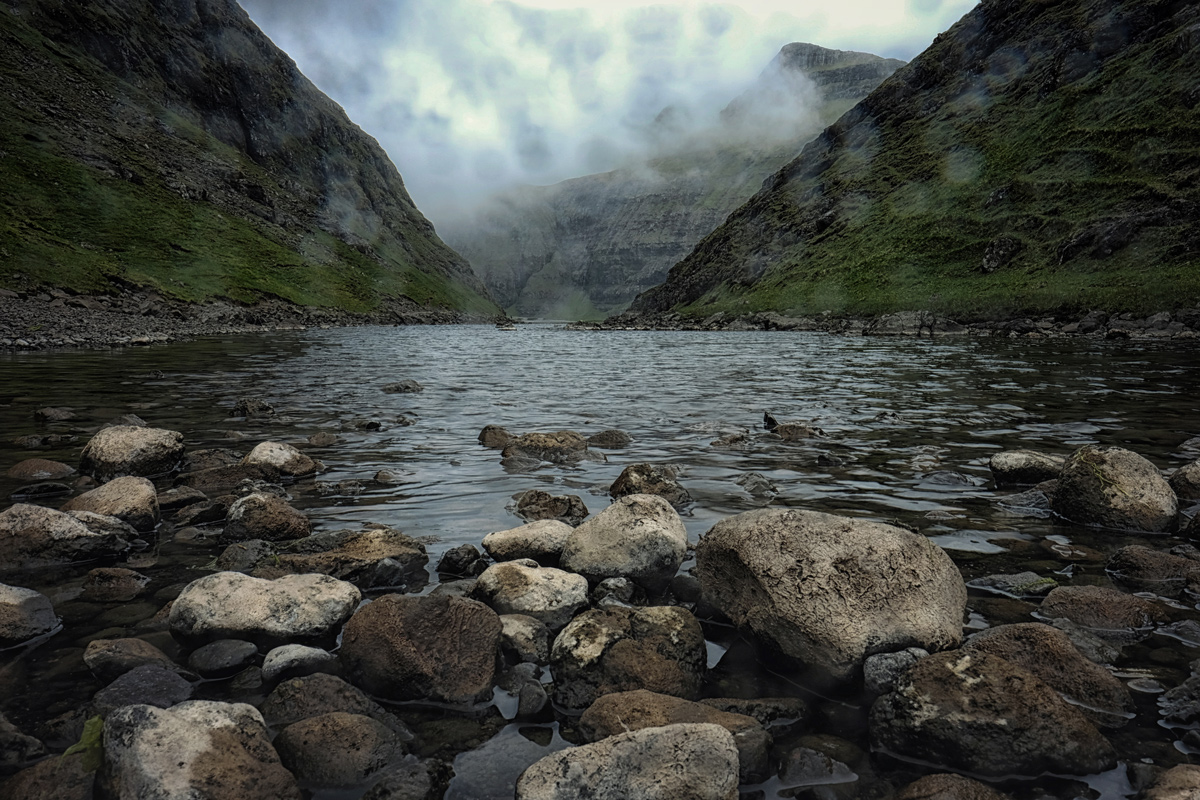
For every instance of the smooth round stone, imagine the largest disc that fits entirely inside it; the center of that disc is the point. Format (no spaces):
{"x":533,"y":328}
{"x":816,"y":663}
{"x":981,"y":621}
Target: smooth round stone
{"x":222,"y":658}
{"x":296,"y":661}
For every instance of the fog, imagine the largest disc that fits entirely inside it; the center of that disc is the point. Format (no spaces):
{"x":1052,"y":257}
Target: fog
{"x":469,"y":97}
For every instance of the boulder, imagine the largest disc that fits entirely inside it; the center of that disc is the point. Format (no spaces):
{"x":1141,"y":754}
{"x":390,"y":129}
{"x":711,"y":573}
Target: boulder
{"x":610,"y":440}
{"x":616,"y":649}
{"x":338,"y":749}
{"x":1185,"y":482}
{"x":537,"y":505}
{"x":113,"y":585}
{"x":1180,"y":782}
{"x":1114,"y":488}
{"x":1110,"y":614}
{"x":1049,"y":654}
{"x":639,"y":537}
{"x":39,"y":469}
{"x":109,"y":659}
{"x":314,"y":695}
{"x":524,"y":638}
{"x":650,"y":479}
{"x":130,"y":450}
{"x":376,"y":557}
{"x":230,"y":605}
{"x":297,"y":661}
{"x":621,"y":712}
{"x":1024,"y":467}
{"x":1146,"y":570}
{"x":494,"y":437}
{"x":266,"y":517}
{"x":675,"y":762}
{"x":828,"y":590}
{"x":25,"y":614}
{"x":148,"y":684}
{"x":549,"y":595}
{"x":541,"y":541}
{"x":34,"y":536}
{"x":562,"y":447}
{"x":978,"y":713}
{"x":282,"y":459}
{"x":200,"y":749}
{"x":947,"y":786}
{"x":423,"y":648}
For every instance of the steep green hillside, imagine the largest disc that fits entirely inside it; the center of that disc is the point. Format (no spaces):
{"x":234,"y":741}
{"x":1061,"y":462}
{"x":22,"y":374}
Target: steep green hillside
{"x":1040,"y":155}
{"x":173,"y":146}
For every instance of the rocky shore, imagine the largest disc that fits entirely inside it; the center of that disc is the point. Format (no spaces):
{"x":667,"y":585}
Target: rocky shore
{"x":299,"y":661}
{"x":56,"y":319}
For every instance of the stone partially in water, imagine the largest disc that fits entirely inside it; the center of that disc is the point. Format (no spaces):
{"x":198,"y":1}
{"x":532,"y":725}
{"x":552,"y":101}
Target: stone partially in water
{"x":24,"y":615}
{"x":129,"y":450}
{"x":281,"y":458}
{"x":109,"y":659}
{"x":562,"y":447}
{"x":338,"y":749}
{"x":1024,"y":467}
{"x":650,"y":479}
{"x":536,"y":505}
{"x":311,"y":696}
{"x":35,"y":536}
{"x":148,"y":684}
{"x":549,"y":595}
{"x":882,"y":671}
{"x":639,"y":537}
{"x":16,"y":748}
{"x":222,"y":658}
{"x":610,"y":439}
{"x":494,"y":437}
{"x":1144,"y":569}
{"x":1021,"y":584}
{"x":266,"y":517}
{"x":948,"y":786}
{"x":297,"y":661}
{"x":39,"y":469}
{"x":1110,"y":614}
{"x":113,"y":585}
{"x":1114,"y":488}
{"x":541,"y":541}
{"x":367,"y":558}
{"x":406,"y":386}
{"x":1186,"y":481}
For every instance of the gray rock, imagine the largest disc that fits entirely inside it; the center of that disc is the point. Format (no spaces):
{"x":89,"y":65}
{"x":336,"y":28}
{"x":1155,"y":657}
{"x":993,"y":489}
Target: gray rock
{"x":675,"y":762}
{"x":535,"y":505}
{"x":109,"y":659}
{"x":199,"y":749}
{"x":1114,"y":488}
{"x":812,"y":585}
{"x":639,"y":537}
{"x":230,"y":605}
{"x":297,"y":661}
{"x":549,"y":595}
{"x":420,"y":780}
{"x":24,"y":614}
{"x":1024,"y":467}
{"x":222,"y":658}
{"x":377,"y":557}
{"x":610,"y":440}
{"x":525,"y":638}
{"x":130,"y":450}
{"x":34,"y":536}
{"x":203,"y":512}
{"x":618,"y":592}
{"x":338,"y":749}
{"x":113,"y":585}
{"x":173,"y":500}
{"x":494,"y":437}
{"x":461,"y":561}
{"x":266,"y":517}
{"x":243,"y":556}
{"x":542,"y":541}
{"x":407,"y":386}
{"x":882,"y":670}
{"x":313,"y":695}
{"x":561,"y":447}
{"x":1021,"y":584}
{"x":281,"y":459}
{"x":210,"y":458}
{"x":650,"y":479}
{"x":1186,"y":481}
{"x":148,"y":684}
{"x":252,"y":407}
{"x":1091,"y":646}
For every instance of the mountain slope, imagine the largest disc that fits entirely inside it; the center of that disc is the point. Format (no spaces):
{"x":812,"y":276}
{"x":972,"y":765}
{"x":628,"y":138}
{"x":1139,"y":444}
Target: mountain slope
{"x":1040,"y":155}
{"x":591,"y":244}
{"x":170,"y":144}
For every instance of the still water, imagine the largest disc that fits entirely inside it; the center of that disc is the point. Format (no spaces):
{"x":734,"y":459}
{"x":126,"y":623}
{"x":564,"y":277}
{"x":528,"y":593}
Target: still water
{"x":909,"y":426}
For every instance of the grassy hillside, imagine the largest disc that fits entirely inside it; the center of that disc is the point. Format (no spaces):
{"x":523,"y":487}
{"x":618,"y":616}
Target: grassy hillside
{"x":1039,"y":156}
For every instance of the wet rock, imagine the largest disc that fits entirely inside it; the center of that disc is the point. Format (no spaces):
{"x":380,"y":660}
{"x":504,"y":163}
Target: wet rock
{"x":549,"y":595}
{"x":16,"y":748}
{"x":252,"y":407}
{"x":463,"y":560}
{"x":126,"y":419}
{"x":109,"y":659}
{"x":173,"y":500}
{"x":54,"y":414}
{"x":346,"y":488}
{"x":323,"y":439}
{"x":34,"y":536}
{"x":197,"y":749}
{"x":776,"y":713}
{"x":129,"y":450}
{"x":1021,"y":584}
{"x":266,"y":517}
{"x":282,"y":459}
{"x":242,"y":556}
{"x":541,"y":541}
{"x":660,"y":648}
{"x":1114,"y":488}
{"x":33,"y":491}
{"x":230,"y":605}
{"x":24,"y":615}
{"x":338,"y":749}
{"x":811,"y":584}
{"x":1181,"y":782}
{"x":407,"y":386}
{"x":639,"y":537}
{"x":978,"y":713}
{"x":1032,"y":503}
{"x":1110,"y":614}
{"x":804,"y":766}
{"x":1049,"y":654}
{"x":222,"y":658}
{"x":494,"y":437}
{"x":39,"y":469}
{"x":536,"y":505}
{"x":524,"y":638}
{"x":610,"y":440}
{"x":1181,"y":704}
{"x":378,"y":557}
{"x":1024,"y":467}
{"x":650,"y":479}
{"x":211,"y":458}
{"x":205,"y":512}
{"x":113,"y":585}
{"x":621,"y":712}
{"x":437,"y":647}
{"x":693,"y":761}
{"x":311,"y":696}
{"x":562,"y":447}
{"x":1091,"y":646}
{"x":1186,"y":481}
{"x":297,"y":661}
{"x":62,"y":778}
{"x":882,"y":671}
{"x":148,"y":684}
{"x":617,"y":592}
{"x":130,"y":499}
{"x":1144,"y":569}
{"x":36,"y":441}
{"x":795,"y":431}
{"x":224,"y":480}
{"x":757,"y":485}
{"x":947,"y":786}
{"x":420,"y":780}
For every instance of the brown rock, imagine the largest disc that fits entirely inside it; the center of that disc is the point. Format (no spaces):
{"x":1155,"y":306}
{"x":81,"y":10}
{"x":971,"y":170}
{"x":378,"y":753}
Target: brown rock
{"x":1104,"y":610}
{"x":130,"y":450}
{"x":338,"y":749}
{"x":1144,"y":569}
{"x":132,"y":500}
{"x":1186,"y":481}
{"x":561,"y":447}
{"x":113,"y":585}
{"x":221,"y":480}
{"x":58,"y":778}
{"x":1181,"y":782}
{"x":494,"y":437}
{"x":376,"y":557}
{"x":536,"y":505}
{"x":1114,"y":488}
{"x":947,"y":786}
{"x":264,"y":516}
{"x":39,"y":469}
{"x":109,"y":659}
{"x":650,"y":479}
{"x":318,"y":694}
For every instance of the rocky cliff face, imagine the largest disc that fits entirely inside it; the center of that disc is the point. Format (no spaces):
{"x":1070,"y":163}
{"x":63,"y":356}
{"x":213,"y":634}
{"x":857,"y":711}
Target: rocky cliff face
{"x":169,"y":143}
{"x":1039,"y":156}
{"x":589,"y":245}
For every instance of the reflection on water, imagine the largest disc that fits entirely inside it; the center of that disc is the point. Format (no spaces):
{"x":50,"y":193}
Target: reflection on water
{"x":910,"y":426}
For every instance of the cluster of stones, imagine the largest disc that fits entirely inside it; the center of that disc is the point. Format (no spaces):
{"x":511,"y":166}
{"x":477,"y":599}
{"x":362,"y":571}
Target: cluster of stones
{"x":599,"y":601}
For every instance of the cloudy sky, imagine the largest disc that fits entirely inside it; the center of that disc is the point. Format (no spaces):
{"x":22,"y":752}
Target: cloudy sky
{"x":472,"y":96}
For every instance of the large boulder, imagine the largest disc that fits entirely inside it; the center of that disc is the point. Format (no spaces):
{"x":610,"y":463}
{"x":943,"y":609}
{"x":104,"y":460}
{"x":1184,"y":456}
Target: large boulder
{"x":639,"y":537}
{"x":675,"y":762}
{"x":35,"y":536}
{"x":549,"y":595}
{"x":129,"y":450}
{"x":561,"y":447}
{"x":618,"y":649}
{"x":1114,"y":488}
{"x":282,"y":459}
{"x":24,"y":615}
{"x":830,"y":591}
{"x":650,"y":479}
{"x":979,"y":713}
{"x":1024,"y":467}
{"x":542,"y":541}
{"x":264,"y":516}
{"x":230,"y":605}
{"x":423,"y":648}
{"x":133,"y":500}
{"x":199,"y":749}
{"x":338,"y":749}
{"x":366,"y":558}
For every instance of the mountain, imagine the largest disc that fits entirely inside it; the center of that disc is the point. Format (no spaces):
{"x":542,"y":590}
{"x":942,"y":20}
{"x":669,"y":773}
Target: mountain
{"x":589,"y":245}
{"x":1040,"y":156}
{"x":169,"y":144}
